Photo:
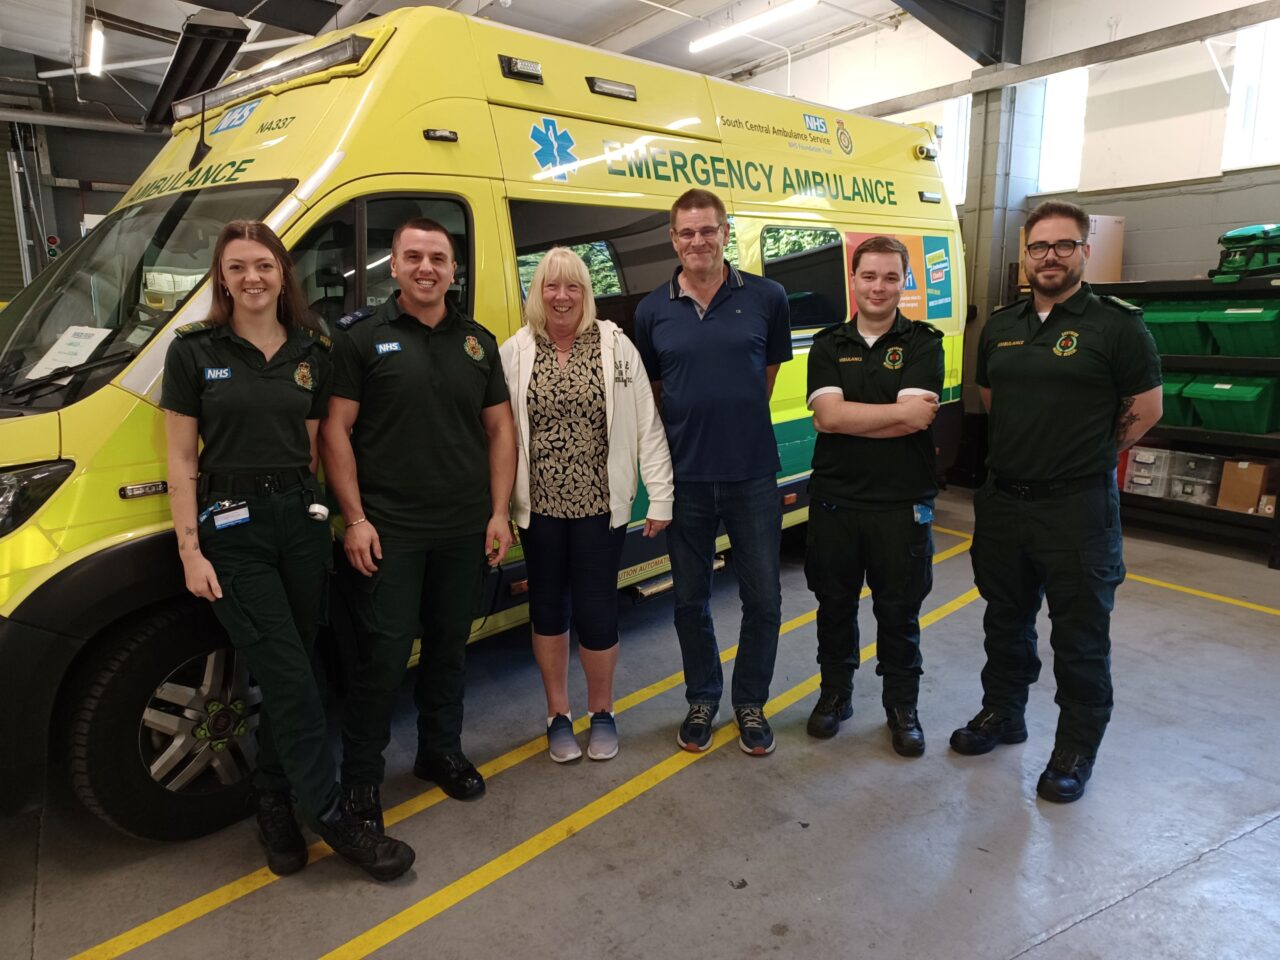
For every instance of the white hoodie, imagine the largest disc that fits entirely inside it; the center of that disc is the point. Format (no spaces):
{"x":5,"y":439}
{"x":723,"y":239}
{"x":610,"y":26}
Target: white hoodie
{"x":634,"y":429}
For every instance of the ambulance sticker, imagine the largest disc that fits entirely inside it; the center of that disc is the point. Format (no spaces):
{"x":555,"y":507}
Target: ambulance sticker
{"x":471,"y":346}
{"x":554,"y":149}
{"x":1067,"y":343}
{"x":893,"y":358}
{"x":843,"y":138}
{"x":302,"y":376}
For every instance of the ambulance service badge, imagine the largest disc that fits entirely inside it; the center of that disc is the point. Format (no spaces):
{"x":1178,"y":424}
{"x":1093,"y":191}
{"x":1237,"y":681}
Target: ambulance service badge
{"x":302,"y":376}
{"x":893,"y":358}
{"x":473,"y":349}
{"x":1067,"y":344}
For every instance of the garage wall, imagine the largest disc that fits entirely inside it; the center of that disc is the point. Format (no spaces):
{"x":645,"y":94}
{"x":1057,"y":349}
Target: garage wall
{"x":1171,"y":232}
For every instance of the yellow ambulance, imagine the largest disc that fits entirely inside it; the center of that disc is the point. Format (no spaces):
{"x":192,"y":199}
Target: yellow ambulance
{"x":512,"y":140}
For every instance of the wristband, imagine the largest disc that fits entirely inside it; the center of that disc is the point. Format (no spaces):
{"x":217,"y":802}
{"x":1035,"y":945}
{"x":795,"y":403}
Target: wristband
{"x":352,"y":523}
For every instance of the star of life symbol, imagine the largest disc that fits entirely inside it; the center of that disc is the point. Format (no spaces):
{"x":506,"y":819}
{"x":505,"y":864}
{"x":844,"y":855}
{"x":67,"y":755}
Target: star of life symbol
{"x":554,"y":147}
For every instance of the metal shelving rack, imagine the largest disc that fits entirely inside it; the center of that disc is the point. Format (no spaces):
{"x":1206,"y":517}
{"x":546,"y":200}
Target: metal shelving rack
{"x":1177,"y":515}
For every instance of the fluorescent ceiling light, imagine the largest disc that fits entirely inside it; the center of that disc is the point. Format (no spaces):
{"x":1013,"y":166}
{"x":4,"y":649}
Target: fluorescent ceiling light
{"x":97,"y":48}
{"x":755,"y":24}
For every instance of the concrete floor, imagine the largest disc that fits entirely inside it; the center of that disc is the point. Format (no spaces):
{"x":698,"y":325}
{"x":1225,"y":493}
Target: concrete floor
{"x":836,"y":848}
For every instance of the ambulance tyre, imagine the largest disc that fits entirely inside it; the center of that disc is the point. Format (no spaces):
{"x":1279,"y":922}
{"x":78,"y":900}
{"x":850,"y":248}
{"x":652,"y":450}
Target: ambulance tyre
{"x":163,"y":713}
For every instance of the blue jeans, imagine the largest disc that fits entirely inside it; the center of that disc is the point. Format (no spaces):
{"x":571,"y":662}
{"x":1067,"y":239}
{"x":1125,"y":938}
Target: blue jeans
{"x":752,"y":516}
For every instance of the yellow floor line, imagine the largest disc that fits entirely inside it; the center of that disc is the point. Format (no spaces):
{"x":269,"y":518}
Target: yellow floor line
{"x":950,"y":532}
{"x":1205,"y":594}
{"x":228,"y":893}
{"x":454,"y":893}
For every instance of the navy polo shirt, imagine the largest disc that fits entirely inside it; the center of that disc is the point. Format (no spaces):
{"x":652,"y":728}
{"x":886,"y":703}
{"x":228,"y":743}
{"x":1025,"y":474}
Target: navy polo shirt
{"x":715,"y":402}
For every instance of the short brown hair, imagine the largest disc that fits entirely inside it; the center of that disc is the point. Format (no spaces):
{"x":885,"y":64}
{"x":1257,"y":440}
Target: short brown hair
{"x":697,"y":199}
{"x":881,"y":245}
{"x":426,"y":225}
{"x":1058,"y":208}
{"x":291,"y":306}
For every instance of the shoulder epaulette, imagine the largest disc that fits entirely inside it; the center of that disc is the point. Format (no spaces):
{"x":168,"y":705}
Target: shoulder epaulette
{"x":1124,"y":305}
{"x":828,"y":330}
{"x":926,"y":325}
{"x":200,"y":326}
{"x":476,"y":323}
{"x":317,"y":337}
{"x":354,"y":317}
{"x":1006,"y":306}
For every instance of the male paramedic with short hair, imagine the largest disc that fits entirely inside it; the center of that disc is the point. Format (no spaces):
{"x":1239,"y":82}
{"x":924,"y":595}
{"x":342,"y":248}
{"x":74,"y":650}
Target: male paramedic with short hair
{"x":874,"y":386}
{"x":1070,"y":378}
{"x":712,"y":340}
{"x":419,"y":449}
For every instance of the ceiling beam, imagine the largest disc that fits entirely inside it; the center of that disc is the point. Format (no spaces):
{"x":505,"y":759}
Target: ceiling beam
{"x":657,"y":23}
{"x":1006,"y":75}
{"x":41,"y":119}
{"x":986,"y":31}
{"x":296,"y":16}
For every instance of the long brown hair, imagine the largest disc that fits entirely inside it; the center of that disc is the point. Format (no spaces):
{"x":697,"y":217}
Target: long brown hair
{"x":291,"y":306}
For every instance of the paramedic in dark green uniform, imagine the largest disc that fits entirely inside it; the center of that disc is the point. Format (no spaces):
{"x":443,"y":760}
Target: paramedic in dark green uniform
{"x":251,"y":381}
{"x":419,"y":449}
{"x":874,"y":386}
{"x":1069,"y":379}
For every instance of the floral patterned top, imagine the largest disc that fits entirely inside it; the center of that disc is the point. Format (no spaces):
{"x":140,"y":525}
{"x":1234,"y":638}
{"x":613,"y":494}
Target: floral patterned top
{"x":568,"y":431}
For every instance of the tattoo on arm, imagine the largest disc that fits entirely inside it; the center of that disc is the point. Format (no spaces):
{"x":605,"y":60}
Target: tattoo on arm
{"x":1125,"y":420}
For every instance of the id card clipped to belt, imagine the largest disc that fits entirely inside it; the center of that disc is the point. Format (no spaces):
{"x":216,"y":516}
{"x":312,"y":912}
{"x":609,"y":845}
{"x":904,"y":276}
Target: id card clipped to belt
{"x":226,"y":513}
{"x":922,"y":512}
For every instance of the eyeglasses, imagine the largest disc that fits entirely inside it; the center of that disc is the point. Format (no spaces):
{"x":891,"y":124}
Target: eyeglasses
{"x":706,"y":233}
{"x":1062,"y":248}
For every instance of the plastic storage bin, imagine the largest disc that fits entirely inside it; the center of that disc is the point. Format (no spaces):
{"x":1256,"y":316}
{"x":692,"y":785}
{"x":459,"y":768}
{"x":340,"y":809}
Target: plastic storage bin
{"x":1239,"y":404}
{"x":1178,"y":410}
{"x":1176,"y":328}
{"x":1244,"y":328}
{"x":1148,"y":462}
{"x":1195,"y":466}
{"x":1191,"y":490}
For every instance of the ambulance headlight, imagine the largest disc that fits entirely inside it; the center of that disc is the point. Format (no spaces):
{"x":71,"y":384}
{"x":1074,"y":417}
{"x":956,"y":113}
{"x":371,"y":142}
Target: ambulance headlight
{"x":23,"y":490}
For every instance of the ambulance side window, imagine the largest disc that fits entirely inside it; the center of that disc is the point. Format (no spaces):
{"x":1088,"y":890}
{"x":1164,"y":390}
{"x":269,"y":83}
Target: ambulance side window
{"x":810,"y":263}
{"x":384,"y":215}
{"x":325,"y":261}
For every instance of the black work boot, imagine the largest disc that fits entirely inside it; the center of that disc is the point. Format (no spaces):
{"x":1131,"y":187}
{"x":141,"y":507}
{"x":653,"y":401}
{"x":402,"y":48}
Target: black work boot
{"x":1064,"y":778}
{"x":987,"y":730}
{"x":278,"y":833}
{"x":908,"y":736}
{"x":382,"y":857}
{"x":830,"y":709}
{"x":365,"y":804}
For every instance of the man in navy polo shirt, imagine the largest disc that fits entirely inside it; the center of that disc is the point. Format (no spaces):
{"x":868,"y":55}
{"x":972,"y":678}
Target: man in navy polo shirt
{"x":712,"y":341}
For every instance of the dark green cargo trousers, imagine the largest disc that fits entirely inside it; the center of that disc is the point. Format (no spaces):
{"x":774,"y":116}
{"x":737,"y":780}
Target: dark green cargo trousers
{"x":426,"y":590}
{"x":274,"y":575}
{"x":895,"y":556}
{"x":1067,"y":549}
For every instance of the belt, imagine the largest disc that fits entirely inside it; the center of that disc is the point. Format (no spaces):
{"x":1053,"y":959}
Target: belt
{"x":250,"y":483}
{"x":1047,"y":489}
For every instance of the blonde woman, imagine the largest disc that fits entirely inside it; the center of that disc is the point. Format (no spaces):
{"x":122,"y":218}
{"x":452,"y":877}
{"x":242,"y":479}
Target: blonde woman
{"x":585,"y":420}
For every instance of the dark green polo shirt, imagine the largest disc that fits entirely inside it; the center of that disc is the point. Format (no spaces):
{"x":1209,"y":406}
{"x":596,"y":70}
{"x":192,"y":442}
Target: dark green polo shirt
{"x":252,"y":411}
{"x":863,"y":472}
{"x":1056,"y":386}
{"x":422,"y":454}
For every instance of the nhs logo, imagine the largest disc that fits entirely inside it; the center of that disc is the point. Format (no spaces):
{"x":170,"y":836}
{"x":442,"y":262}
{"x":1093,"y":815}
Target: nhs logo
{"x":217,"y":373}
{"x":815,"y":124}
{"x":382,"y":348}
{"x":236,"y":117}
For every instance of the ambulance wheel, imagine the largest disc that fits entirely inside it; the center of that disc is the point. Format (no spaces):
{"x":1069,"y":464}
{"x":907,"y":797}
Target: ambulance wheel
{"x":161,"y":738}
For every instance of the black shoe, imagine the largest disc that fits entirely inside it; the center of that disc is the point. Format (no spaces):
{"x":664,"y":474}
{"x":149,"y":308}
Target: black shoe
{"x":694,"y":734}
{"x":452,"y":772}
{"x":985,"y":731}
{"x":365,"y":804}
{"x":279,"y":834}
{"x":830,"y":709}
{"x":908,"y":736}
{"x":1064,"y":778}
{"x":382,"y":857}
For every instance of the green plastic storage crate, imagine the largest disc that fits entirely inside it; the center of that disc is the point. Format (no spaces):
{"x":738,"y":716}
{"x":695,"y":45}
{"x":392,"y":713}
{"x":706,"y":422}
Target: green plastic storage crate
{"x":1239,"y":404}
{"x":1244,"y":328}
{"x":1178,"y":410}
{"x":1176,"y":328}
{"x":1248,"y":252}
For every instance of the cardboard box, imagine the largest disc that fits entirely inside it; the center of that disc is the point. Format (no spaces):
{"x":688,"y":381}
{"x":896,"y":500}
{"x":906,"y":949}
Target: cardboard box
{"x":1243,"y":484}
{"x":1106,"y":249}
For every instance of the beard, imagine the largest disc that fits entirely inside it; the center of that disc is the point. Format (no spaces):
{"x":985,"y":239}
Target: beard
{"x":1049,"y":287}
